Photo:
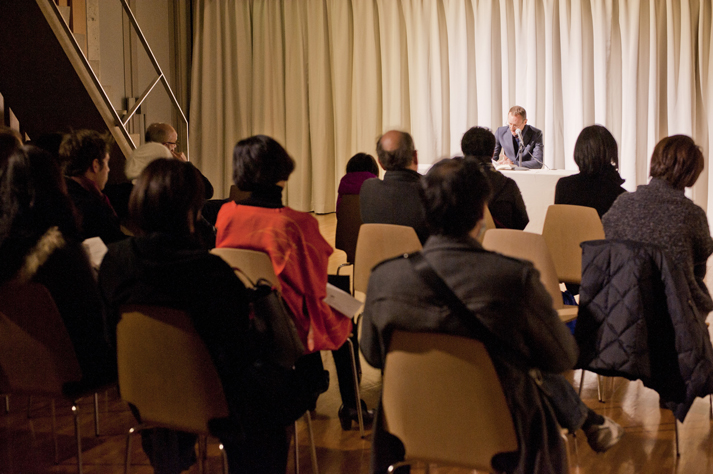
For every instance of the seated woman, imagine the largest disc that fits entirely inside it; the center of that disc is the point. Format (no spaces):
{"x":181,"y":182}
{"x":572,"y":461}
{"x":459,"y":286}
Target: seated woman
{"x":360,"y":167}
{"x":598,"y":183}
{"x":39,"y":242}
{"x":299,"y":256}
{"x":660,"y":213}
{"x":165,"y":265}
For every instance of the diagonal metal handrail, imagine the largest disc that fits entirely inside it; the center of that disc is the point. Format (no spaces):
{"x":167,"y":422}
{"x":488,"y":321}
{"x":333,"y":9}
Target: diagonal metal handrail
{"x":161,"y":77}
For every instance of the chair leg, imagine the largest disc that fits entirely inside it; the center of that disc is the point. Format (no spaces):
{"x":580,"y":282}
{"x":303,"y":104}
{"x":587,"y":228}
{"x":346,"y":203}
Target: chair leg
{"x":581,"y":383}
{"x":127,"y":459}
{"x":297,"y":451}
{"x":224,"y":456}
{"x":313,"y":449}
{"x":600,"y":390}
{"x":96,"y":414}
{"x":357,"y":392}
{"x":54,"y":432}
{"x":75,"y":410}
{"x":675,"y":427}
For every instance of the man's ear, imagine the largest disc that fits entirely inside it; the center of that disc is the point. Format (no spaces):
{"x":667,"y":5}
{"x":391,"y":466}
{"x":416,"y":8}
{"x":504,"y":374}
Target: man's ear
{"x":96,"y":165}
{"x":381,"y":164}
{"x":415,"y":157}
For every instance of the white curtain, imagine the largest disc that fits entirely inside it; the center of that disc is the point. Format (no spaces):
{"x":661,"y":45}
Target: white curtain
{"x":327,"y":77}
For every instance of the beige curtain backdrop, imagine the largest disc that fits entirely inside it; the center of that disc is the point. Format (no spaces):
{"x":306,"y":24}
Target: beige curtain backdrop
{"x":327,"y":77}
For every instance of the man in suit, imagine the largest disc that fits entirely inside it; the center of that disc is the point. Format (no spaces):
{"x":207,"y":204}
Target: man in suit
{"x":395,"y":199}
{"x":516,"y":137}
{"x":506,"y":295}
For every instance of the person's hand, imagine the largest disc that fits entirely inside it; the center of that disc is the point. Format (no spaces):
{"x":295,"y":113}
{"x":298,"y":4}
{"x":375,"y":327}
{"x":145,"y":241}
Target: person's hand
{"x":179,"y":156}
{"x":504,"y":160}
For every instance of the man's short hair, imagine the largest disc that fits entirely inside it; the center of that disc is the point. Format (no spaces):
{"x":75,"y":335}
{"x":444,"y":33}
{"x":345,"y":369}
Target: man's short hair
{"x":678,"y":160}
{"x":454,"y":193}
{"x":399,"y":158}
{"x":260,"y":161}
{"x":517,"y":110}
{"x":80,"y":148}
{"x":595,"y":151}
{"x":158,"y":132}
{"x":478,"y":142}
{"x":166,"y":194}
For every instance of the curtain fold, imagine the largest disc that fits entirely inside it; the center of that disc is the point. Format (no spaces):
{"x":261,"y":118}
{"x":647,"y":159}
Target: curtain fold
{"x":327,"y":77}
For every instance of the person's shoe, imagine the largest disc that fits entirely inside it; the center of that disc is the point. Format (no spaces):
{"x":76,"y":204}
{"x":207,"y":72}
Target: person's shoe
{"x":604,"y":436}
{"x":347,"y":415}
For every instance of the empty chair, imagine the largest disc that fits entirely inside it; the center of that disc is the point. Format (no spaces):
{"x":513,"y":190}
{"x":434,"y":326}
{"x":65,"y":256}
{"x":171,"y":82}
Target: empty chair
{"x":378,"y":242}
{"x":442,"y":398}
{"x":566,"y":227}
{"x":36,"y":354}
{"x":532,"y":247}
{"x":348,"y":224}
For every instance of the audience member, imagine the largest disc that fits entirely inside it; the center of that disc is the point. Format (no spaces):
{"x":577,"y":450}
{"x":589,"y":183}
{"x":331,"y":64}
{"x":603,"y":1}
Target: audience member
{"x":299,"y":257}
{"x":660,"y":213}
{"x":506,"y":295}
{"x":394,"y":200}
{"x":85,"y":154}
{"x":518,"y":140}
{"x":505,"y":204}
{"x":598,"y":183}
{"x":360,"y":167}
{"x":39,"y":243}
{"x":165,"y":265}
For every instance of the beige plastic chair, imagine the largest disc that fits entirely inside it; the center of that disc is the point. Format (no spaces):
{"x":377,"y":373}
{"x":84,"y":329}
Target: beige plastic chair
{"x":36,"y":354}
{"x":564,"y":229}
{"x":442,"y":398}
{"x":379,"y":242}
{"x":256,"y":265}
{"x":489,"y":224}
{"x":166,"y":372}
{"x":532,"y":247}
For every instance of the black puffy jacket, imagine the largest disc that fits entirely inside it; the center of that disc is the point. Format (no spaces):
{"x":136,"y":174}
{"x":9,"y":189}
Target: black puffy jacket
{"x":637,"y":320}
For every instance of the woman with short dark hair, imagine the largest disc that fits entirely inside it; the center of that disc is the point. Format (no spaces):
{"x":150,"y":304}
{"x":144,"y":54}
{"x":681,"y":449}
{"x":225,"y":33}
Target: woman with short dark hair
{"x":598,"y":183}
{"x":299,"y":257}
{"x":659,"y":213}
{"x":165,"y":264}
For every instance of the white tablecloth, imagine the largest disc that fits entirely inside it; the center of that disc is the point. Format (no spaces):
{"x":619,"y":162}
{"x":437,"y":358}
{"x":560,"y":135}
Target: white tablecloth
{"x":538,"y":191}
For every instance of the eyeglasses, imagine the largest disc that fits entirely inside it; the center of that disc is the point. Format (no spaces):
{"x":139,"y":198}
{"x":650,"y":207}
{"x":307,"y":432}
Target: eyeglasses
{"x":172,"y":143}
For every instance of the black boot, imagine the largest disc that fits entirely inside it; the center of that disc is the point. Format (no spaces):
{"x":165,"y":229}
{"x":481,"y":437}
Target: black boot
{"x":347,"y":415}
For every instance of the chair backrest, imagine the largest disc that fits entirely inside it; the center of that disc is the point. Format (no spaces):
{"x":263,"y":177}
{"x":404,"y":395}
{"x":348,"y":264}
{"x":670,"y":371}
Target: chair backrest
{"x":489,"y":224}
{"x":378,"y":242}
{"x":527,"y":246}
{"x":36,"y":353}
{"x":348,"y":223}
{"x":166,"y":371}
{"x":564,"y":229}
{"x":253,"y":263}
{"x":443,"y":399}
{"x":237,"y":195}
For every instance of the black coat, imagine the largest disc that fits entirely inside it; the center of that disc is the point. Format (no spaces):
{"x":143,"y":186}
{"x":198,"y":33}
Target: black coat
{"x":597,"y":191}
{"x":394,"y":200}
{"x":637,"y":320}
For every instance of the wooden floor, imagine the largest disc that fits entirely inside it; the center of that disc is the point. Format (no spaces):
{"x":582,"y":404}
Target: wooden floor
{"x":647,"y":447}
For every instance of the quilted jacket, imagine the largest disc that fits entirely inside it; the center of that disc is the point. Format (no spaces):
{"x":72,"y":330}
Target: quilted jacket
{"x":637,"y":320}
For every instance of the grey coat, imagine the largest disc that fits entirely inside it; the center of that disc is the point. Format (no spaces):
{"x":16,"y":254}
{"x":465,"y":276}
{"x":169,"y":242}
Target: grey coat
{"x":509,"y":299}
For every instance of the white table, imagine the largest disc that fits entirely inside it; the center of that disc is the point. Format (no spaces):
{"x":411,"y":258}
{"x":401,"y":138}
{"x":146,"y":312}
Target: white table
{"x":538,"y":192}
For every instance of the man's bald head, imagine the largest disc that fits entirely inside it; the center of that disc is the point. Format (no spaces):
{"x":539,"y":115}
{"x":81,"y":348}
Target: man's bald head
{"x":396,"y":151}
{"x":161,"y":133}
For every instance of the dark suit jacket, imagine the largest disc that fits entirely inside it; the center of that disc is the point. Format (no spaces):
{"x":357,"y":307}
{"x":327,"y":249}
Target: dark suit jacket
{"x":394,"y":200}
{"x":508,"y":298}
{"x":98,"y":219}
{"x":532,"y":154}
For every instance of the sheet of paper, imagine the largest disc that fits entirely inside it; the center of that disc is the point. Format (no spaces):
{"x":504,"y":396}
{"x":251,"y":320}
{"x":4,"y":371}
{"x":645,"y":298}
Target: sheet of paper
{"x":342,"y":301}
{"x":95,"y":248}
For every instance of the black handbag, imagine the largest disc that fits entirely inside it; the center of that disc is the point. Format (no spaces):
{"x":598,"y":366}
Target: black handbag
{"x":274,"y":331}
